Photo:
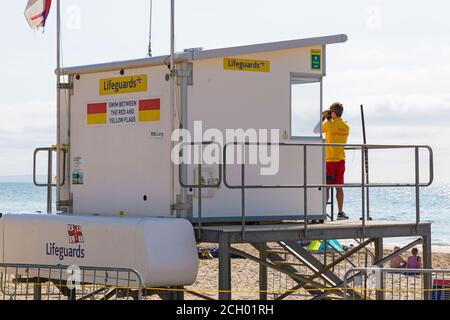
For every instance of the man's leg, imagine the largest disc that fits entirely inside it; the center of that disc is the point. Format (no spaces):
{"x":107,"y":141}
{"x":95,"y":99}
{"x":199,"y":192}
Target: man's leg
{"x":340,"y":199}
{"x":339,"y":179}
{"x":330,"y":179}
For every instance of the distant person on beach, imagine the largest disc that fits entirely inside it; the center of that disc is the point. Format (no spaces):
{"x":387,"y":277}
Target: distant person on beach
{"x":414,"y":261}
{"x":336,"y":131}
{"x":398,"y":261}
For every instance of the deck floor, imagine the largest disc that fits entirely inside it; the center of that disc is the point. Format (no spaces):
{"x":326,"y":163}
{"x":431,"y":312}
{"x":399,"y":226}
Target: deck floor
{"x":342,"y":229}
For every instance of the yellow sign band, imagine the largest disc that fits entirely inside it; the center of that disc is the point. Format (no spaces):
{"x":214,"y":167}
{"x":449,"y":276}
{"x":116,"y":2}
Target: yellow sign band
{"x":149,"y":115}
{"x":98,"y":118}
{"x":246,"y":65}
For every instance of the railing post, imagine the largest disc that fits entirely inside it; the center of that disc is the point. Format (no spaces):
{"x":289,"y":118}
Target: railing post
{"x":262,"y":248}
{"x":177,"y":293}
{"x":49,"y":180}
{"x":37,"y":292}
{"x":379,"y":255}
{"x":199,"y":200}
{"x":349,"y":294}
{"x":416,"y":152}
{"x":224,"y":267}
{"x":363,"y":190}
{"x":332,"y":202}
{"x":243,"y":198}
{"x":305,"y":188}
{"x":427,"y":264}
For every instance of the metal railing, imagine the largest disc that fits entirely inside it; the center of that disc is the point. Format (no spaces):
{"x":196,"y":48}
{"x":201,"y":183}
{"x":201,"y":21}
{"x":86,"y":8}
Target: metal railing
{"x":305,"y":186}
{"x":397,"y":284}
{"x":364,"y":185}
{"x":57,"y":282}
{"x":199,"y":186}
{"x":49,"y":185}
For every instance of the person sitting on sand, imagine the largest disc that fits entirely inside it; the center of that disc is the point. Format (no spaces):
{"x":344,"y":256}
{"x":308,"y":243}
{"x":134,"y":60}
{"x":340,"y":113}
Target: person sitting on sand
{"x":398,"y":261}
{"x":414,"y":261}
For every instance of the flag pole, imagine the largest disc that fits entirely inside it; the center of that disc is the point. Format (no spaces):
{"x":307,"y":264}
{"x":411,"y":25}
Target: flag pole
{"x":172,"y":35}
{"x":58,"y":101}
{"x":150,"y":30}
{"x":366,"y":158}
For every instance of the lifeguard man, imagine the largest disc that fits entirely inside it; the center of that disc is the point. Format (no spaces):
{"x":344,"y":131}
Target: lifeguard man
{"x":336,"y":131}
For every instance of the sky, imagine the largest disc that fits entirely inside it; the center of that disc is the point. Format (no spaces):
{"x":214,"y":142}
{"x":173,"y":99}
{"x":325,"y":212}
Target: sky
{"x":396,"y":62}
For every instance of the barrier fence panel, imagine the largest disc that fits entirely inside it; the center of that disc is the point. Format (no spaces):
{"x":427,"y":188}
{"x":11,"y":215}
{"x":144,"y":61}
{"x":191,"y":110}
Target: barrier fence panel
{"x":280,"y":284}
{"x":44,"y":282}
{"x":397,"y":284}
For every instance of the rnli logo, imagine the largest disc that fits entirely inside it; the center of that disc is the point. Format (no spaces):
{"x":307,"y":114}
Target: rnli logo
{"x":75,"y":234}
{"x":139,"y":80}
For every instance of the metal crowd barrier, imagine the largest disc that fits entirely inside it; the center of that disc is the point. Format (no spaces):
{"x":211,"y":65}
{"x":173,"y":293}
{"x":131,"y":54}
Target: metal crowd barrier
{"x":397,"y":284}
{"x":280,"y":284}
{"x":57,"y":282}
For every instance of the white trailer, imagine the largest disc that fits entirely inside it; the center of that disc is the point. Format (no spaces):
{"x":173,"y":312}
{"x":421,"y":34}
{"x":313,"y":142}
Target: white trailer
{"x":161,"y":250}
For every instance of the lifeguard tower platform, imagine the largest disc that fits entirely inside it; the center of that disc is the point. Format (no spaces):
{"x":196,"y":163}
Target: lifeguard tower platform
{"x":116,"y":124}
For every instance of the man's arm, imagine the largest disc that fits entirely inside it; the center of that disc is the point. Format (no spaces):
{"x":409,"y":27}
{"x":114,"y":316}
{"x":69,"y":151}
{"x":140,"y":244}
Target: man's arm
{"x":326,"y":115}
{"x":325,"y":126}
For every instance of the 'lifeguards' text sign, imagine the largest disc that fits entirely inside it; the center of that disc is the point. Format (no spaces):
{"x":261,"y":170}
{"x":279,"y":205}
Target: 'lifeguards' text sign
{"x":246,"y":65}
{"x":121,"y":85}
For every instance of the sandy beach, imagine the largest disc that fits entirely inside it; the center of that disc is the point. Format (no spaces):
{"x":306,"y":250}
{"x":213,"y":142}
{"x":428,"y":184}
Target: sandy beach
{"x":245,"y":278}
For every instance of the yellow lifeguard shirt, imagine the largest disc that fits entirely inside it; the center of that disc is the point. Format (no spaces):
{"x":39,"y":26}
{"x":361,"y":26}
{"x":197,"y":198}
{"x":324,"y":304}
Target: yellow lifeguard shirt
{"x":336,"y":131}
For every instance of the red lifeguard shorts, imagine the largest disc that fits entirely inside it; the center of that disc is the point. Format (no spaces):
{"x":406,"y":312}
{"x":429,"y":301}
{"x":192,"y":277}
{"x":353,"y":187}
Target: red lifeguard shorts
{"x":335,"y":172}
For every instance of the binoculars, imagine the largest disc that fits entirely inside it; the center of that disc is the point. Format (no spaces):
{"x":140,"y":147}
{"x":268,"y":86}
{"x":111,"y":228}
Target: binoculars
{"x":326,"y":115}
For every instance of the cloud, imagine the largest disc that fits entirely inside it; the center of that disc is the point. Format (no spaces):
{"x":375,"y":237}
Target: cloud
{"x":23,"y":128}
{"x":34,"y":114}
{"x":394,"y":71}
{"x":415,"y":110}
{"x":405,"y":94}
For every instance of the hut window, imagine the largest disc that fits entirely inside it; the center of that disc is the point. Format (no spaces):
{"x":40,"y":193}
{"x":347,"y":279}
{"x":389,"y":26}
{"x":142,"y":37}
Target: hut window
{"x":305,"y":107}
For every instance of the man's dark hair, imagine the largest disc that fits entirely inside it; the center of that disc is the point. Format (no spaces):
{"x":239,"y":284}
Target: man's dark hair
{"x":337,"y":108}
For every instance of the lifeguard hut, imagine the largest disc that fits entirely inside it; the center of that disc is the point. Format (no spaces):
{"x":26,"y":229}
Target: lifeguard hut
{"x":120,"y":120}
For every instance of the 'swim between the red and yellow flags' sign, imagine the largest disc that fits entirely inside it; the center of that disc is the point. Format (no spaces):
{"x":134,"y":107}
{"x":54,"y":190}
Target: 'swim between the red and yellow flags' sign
{"x":124,"y":112}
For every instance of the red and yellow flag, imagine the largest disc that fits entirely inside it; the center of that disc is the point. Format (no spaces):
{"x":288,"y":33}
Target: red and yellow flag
{"x":149,"y":110}
{"x":96,"y":113}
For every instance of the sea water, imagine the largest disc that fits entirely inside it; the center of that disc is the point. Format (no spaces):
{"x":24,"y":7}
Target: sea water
{"x":399,"y":204}
{"x":23,"y":197}
{"x":392,"y":204}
